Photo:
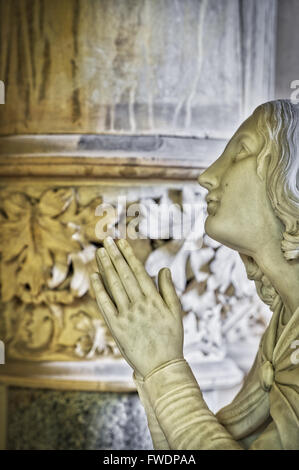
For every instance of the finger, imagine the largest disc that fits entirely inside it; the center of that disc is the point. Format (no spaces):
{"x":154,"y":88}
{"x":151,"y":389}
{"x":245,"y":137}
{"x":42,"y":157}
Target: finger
{"x":117,"y":290}
{"x":108,"y":310}
{"x":102,"y":273}
{"x":168,"y":292}
{"x":127,"y":278}
{"x":104,"y":302}
{"x":144,"y":280}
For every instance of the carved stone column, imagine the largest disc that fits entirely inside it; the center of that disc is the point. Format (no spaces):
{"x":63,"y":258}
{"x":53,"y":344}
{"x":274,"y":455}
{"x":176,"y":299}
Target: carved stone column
{"x":105,"y":99}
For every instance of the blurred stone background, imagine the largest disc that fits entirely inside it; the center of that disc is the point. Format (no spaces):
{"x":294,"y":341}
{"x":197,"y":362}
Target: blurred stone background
{"x":121,"y":102}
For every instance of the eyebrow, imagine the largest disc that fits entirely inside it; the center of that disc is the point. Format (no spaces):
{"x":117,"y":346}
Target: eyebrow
{"x":244,"y":134}
{"x":237,"y":138}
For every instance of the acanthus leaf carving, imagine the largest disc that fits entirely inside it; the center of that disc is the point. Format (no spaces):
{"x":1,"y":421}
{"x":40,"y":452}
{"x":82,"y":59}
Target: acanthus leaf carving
{"x":48,"y":242}
{"x":31,"y":236}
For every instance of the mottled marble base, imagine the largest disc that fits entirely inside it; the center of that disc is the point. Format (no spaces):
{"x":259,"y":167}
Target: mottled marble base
{"x":50,"y":419}
{"x":40,"y":418}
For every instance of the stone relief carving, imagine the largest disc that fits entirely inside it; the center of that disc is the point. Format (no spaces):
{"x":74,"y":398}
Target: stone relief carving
{"x":47,"y":253}
{"x":48,"y":242}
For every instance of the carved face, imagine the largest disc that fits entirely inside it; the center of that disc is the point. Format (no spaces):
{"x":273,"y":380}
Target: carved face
{"x":240,"y":213}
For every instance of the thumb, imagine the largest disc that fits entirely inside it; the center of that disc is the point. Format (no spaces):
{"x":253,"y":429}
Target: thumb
{"x":168,"y":292}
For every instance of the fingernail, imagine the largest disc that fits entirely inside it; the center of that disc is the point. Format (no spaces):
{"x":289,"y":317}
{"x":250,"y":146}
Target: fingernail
{"x":101,"y":252}
{"x":109,"y":240}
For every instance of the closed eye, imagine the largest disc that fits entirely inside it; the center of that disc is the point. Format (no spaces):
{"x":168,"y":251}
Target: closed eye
{"x":243,"y":152}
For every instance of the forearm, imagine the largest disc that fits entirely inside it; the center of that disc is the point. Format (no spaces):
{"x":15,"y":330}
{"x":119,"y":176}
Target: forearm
{"x":157,"y":435}
{"x":181,"y":411}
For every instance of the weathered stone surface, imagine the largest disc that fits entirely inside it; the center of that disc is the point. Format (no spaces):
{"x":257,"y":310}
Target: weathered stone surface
{"x":109,"y":65}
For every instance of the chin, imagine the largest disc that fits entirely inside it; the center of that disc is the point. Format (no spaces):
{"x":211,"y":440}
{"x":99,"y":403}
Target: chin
{"x":218,"y":230}
{"x":211,"y":228}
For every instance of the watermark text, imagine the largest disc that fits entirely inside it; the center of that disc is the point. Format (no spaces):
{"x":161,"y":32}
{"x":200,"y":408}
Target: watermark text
{"x":2,"y":92}
{"x":2,"y":352}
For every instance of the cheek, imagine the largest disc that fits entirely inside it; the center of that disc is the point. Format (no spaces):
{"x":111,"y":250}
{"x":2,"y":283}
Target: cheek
{"x":239,"y":204}
{"x":241,"y":192}
{"x":234,"y":200}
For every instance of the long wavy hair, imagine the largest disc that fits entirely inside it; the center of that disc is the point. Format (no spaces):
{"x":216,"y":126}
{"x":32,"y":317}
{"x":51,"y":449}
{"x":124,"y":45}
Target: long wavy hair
{"x":278,"y":125}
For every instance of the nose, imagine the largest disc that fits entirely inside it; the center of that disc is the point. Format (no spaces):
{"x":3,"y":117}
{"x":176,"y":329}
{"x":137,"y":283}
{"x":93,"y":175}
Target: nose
{"x":208,"y":179}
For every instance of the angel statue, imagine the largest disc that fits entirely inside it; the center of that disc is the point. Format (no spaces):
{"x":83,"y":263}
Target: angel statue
{"x":253,"y":207}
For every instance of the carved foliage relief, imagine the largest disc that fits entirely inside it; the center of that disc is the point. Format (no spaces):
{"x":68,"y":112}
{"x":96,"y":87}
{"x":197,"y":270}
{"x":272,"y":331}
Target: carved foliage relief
{"x":48,"y":243}
{"x":47,"y":253}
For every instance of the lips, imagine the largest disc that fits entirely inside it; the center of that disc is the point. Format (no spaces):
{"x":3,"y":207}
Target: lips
{"x":212,"y":204}
{"x":212,"y":207}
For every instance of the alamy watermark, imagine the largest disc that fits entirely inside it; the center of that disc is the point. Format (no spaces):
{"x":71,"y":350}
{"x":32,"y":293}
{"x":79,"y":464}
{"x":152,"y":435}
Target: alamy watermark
{"x":294,"y":97}
{"x":2,"y":352}
{"x":2,"y":92}
{"x":149,"y":220}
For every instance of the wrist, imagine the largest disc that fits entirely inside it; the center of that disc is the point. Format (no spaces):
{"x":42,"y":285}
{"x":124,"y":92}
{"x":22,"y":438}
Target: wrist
{"x":163,"y":366}
{"x":173,"y":378}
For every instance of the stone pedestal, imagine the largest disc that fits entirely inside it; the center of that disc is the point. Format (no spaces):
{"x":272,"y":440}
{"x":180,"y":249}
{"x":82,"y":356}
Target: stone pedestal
{"x":40,"y":418}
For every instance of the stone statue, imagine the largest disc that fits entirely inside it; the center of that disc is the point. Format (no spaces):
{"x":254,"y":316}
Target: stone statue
{"x":253,"y":207}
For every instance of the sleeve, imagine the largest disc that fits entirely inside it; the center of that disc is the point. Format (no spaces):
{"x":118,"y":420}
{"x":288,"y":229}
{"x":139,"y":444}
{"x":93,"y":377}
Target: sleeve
{"x":181,"y":411}
{"x":157,"y":435}
{"x":268,"y":440}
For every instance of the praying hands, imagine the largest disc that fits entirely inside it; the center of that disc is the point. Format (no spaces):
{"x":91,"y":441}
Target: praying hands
{"x":145,"y":323}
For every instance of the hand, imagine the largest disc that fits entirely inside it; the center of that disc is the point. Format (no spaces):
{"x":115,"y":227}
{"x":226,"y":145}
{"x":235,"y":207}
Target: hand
{"x":146,"y":324}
